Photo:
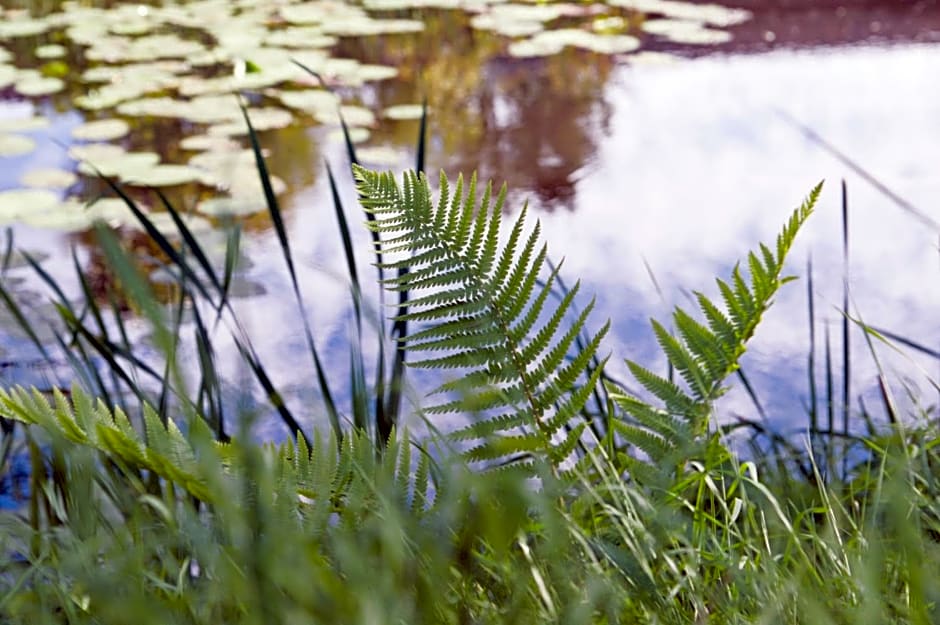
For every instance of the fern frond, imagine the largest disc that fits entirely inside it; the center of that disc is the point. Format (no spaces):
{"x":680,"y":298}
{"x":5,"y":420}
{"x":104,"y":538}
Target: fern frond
{"x":524,"y":377}
{"x":704,"y":355}
{"x":322,"y":475}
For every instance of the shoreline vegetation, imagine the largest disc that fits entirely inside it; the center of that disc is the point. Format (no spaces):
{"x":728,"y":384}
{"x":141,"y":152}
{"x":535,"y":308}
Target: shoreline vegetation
{"x":569,"y":498}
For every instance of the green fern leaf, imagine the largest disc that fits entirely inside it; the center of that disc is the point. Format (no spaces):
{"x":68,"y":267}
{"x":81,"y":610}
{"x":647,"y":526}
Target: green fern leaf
{"x":704,"y":355}
{"x":524,"y":376}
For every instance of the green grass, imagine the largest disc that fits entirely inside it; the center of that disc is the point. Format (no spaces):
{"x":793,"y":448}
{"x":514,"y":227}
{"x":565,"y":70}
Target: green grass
{"x":568,"y":500}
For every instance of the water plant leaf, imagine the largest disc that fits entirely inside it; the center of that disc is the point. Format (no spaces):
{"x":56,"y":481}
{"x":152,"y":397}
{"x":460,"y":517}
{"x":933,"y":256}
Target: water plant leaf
{"x":50,"y":51}
{"x":23,"y":124}
{"x":355,"y":134}
{"x":101,"y":130}
{"x":126,"y":165}
{"x":710,"y":13}
{"x":379,"y":155}
{"x":49,"y":178}
{"x":17,"y":202}
{"x":209,"y":143}
{"x":404,"y":112}
{"x":161,"y":176}
{"x":232,"y":206}
{"x":310,"y":100}
{"x":38,"y":85}
{"x":13,"y":28}
{"x":686,"y":32}
{"x":15,"y":145}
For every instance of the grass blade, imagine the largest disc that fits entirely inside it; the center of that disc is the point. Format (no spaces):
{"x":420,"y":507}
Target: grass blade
{"x":846,"y":348}
{"x":278,"y":221}
{"x":811,"y":358}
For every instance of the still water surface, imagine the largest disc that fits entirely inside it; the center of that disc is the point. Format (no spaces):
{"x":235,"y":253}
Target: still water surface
{"x":649,"y":179}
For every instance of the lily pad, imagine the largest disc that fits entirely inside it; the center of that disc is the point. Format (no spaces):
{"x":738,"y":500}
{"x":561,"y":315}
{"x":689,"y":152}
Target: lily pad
{"x":552,"y":42}
{"x":112,"y":95}
{"x":261,"y":120}
{"x":112,"y":210}
{"x":310,"y":100}
{"x":162,"y":176}
{"x":207,"y":142}
{"x":17,"y":202}
{"x":367,"y":26}
{"x":247,"y":184}
{"x":711,"y":14}
{"x":33,"y":86}
{"x":101,"y":130}
{"x":22,"y":28}
{"x":8,"y":75}
{"x":94,"y":152}
{"x":23,"y":124}
{"x":300,"y":37}
{"x":232,"y":206}
{"x":223,"y":160}
{"x":686,"y":32}
{"x":50,"y":178}
{"x":647,"y":57}
{"x":319,"y":12}
{"x":403,"y":112}
{"x":379,"y":155}
{"x":50,"y":51}
{"x":374,"y":73}
{"x":610,"y":25}
{"x":65,"y":217}
{"x":15,"y":145}
{"x":165,"y":224}
{"x":123,"y":165}
{"x":352,"y":115}
{"x":506,"y":28}
{"x":356,"y":134}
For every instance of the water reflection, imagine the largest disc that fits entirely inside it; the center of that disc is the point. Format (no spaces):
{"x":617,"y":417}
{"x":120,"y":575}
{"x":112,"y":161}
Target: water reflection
{"x":683,"y":166}
{"x":689,"y":188}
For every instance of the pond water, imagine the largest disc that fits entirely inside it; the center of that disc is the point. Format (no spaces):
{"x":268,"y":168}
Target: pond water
{"x":656,"y":141}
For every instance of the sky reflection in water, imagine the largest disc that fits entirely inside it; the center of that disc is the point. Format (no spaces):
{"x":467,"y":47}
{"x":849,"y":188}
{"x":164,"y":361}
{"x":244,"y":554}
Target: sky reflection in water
{"x":684,"y":167}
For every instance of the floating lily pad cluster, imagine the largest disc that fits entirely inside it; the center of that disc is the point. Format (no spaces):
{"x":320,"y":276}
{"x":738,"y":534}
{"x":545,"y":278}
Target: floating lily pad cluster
{"x":140,"y":64}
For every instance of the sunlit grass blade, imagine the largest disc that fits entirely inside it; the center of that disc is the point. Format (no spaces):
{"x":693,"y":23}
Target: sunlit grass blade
{"x":908,"y":342}
{"x":278,"y":221}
